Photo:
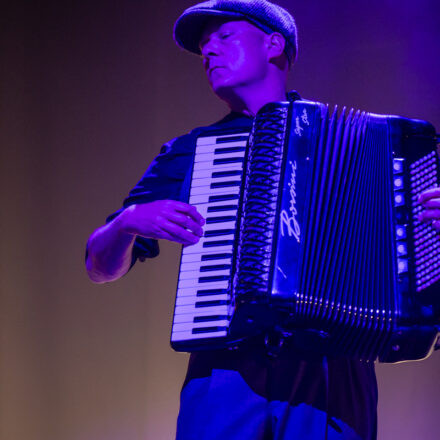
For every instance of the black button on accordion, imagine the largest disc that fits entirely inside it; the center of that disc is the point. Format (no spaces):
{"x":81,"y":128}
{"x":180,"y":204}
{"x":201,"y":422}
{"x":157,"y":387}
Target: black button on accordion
{"x":318,"y":237}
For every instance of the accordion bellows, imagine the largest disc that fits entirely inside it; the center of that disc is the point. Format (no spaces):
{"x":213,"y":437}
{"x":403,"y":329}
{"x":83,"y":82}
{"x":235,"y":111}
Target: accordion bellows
{"x":328,"y":247}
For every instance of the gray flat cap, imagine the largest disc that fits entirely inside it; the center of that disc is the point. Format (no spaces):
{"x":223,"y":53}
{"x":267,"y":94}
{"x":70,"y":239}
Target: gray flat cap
{"x":267,"y":16}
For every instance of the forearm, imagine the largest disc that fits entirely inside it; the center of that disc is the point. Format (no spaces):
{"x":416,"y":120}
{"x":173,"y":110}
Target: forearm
{"x":109,"y":252}
{"x":110,"y":247}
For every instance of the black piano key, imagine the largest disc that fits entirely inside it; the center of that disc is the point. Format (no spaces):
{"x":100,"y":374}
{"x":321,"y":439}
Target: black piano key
{"x":227,"y":150}
{"x":226,"y":160}
{"x":217,"y":174}
{"x":222,"y":219}
{"x":208,"y":329}
{"x":227,"y":184}
{"x":214,"y":278}
{"x":228,"y":139}
{"x":222,"y":208}
{"x":215,"y":267}
{"x":209,"y":292}
{"x":223,"y":197}
{"x":208,"y":244}
{"x":210,"y":318}
{"x":220,"y":302}
{"x":209,"y":257}
{"x":219,"y":232}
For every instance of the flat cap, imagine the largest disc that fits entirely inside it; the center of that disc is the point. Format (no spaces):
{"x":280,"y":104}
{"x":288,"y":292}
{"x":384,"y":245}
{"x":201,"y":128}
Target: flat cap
{"x":267,"y":16}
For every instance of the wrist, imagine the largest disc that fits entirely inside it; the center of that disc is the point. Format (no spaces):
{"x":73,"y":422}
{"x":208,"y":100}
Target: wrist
{"x":122,"y":223}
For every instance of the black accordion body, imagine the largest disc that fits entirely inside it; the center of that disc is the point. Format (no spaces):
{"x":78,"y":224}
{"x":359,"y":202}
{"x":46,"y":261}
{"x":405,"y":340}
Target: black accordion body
{"x":312,"y":231}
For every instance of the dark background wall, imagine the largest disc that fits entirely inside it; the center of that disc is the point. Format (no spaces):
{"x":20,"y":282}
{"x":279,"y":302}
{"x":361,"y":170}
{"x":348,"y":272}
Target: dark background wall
{"x":89,"y":91}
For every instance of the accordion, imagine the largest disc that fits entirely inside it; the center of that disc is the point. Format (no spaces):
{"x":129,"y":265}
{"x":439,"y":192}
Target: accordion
{"x":312,"y":230}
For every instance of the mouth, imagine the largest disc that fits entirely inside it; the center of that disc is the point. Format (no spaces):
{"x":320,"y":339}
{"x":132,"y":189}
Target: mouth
{"x":211,"y":69}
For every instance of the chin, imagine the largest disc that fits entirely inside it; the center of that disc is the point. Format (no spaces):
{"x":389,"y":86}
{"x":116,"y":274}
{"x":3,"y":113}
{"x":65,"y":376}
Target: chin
{"x":223,"y":91}
{"x":225,"y":87}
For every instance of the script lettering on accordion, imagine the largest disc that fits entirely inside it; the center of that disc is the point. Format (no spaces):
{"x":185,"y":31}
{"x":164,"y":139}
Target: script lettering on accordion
{"x":304,"y":119}
{"x":289,"y":221}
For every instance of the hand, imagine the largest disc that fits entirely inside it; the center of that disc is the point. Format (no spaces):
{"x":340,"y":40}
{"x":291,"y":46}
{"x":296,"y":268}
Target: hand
{"x":164,"y":219}
{"x":430,"y":199}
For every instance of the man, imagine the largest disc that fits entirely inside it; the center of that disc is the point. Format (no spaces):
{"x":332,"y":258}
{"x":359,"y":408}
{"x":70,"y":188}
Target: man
{"x":247,"y":49}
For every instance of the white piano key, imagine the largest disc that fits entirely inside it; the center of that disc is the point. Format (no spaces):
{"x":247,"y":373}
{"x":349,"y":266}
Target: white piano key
{"x":200,"y":176}
{"x":192,"y":291}
{"x":209,"y":157}
{"x":215,"y":167}
{"x":188,"y":326}
{"x":224,"y":225}
{"x":203,"y":286}
{"x":203,"y":207}
{"x":200,"y":168}
{"x":199,"y":248}
{"x":211,"y":148}
{"x":196,"y":265}
{"x":196,"y":274}
{"x":187,"y":266}
{"x":182,"y":284}
{"x":188,"y":258}
{"x":191,"y":249}
{"x":188,"y":300}
{"x":189,"y":317}
{"x":233,"y":178}
{"x":216,"y":142}
{"x":204,"y":213}
{"x":189,"y":290}
{"x":212,"y":310}
{"x":195,"y":200}
{"x":204,"y":198}
{"x":206,"y":140}
{"x":189,"y":336}
{"x":206,"y":189}
{"x":208,"y":180}
{"x":209,"y":268}
{"x":228,"y":248}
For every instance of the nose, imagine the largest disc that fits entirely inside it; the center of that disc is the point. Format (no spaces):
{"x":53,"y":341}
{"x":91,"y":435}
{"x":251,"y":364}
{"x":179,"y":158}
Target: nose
{"x":210,"y":48}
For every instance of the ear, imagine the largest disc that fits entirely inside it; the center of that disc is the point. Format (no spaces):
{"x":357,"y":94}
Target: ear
{"x":275,"y":44}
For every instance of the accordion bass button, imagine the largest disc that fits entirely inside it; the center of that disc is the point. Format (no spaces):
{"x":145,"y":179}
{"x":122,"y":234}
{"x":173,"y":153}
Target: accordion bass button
{"x":402,"y":265}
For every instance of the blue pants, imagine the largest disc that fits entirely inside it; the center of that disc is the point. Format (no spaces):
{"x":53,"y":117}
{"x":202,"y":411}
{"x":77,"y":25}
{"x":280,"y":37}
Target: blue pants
{"x":246,"y":395}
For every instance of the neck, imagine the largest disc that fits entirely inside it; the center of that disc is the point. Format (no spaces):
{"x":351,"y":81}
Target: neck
{"x":248,"y":100}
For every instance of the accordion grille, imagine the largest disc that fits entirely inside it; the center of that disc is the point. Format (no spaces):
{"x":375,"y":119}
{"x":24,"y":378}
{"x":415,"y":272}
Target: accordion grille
{"x":260,"y":202}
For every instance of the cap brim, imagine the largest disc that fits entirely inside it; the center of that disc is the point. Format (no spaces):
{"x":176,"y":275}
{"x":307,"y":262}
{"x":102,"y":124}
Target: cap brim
{"x":189,"y":27}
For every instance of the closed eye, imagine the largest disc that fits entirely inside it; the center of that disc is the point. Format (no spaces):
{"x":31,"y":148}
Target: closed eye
{"x":225,"y":35}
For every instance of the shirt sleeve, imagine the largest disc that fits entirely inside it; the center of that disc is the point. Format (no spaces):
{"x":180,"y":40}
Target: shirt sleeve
{"x":163,"y":180}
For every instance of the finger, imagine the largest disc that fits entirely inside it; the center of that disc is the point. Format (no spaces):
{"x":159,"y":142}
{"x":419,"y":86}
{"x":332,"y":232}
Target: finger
{"x":186,"y":222}
{"x":164,"y":235}
{"x":429,"y":215}
{"x":432,"y":203}
{"x":192,"y":212}
{"x":159,"y":233}
{"x":429,"y":194}
{"x":178,"y":233}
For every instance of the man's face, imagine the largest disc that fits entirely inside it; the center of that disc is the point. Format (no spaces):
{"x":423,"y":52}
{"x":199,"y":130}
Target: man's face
{"x":234,"y":54}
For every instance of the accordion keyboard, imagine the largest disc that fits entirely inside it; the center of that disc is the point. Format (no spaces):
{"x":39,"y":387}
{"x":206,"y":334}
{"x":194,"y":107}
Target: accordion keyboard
{"x":203,"y":303}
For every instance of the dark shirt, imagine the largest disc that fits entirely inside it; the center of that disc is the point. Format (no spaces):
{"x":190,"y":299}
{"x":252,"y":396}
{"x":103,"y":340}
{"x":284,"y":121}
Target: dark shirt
{"x":168,"y":176}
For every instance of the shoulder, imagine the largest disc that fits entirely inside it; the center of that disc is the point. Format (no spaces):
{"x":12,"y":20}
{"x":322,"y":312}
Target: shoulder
{"x":185,"y":144}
